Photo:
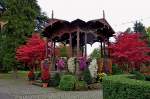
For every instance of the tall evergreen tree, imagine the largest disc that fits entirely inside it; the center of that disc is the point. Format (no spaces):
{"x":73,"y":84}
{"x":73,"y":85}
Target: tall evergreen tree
{"x":21,"y":15}
{"x":139,"y":28}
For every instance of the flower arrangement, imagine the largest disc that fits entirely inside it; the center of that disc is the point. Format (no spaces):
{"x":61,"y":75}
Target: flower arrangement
{"x":45,"y":76}
{"x":93,"y":67}
{"x":60,"y":64}
{"x":82,"y":63}
{"x":31,"y":75}
{"x":71,"y":64}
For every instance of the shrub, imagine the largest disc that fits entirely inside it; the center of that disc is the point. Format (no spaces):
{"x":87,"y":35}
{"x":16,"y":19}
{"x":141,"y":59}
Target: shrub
{"x":122,"y":87}
{"x":138,"y":75}
{"x":147,"y":77}
{"x":116,"y":70}
{"x":67,"y":82}
{"x":87,"y":76}
{"x":55,"y":80}
{"x":81,"y":85}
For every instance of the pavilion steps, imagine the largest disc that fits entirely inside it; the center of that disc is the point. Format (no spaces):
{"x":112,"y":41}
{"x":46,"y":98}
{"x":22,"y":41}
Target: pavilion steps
{"x":39,"y":81}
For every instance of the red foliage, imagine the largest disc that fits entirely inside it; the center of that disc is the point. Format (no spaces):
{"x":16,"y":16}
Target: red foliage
{"x":45,"y":75}
{"x":32,"y":51}
{"x":130,"y":49}
{"x":31,"y":74}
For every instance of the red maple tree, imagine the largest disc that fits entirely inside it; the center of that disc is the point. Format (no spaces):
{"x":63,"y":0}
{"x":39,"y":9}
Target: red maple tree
{"x":130,"y":50}
{"x":33,"y":51}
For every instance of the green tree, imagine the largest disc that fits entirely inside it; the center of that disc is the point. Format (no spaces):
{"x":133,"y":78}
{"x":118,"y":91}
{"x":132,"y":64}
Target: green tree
{"x":148,"y":34}
{"x":21,"y":15}
{"x":140,"y":28}
{"x":95,"y":54}
{"x":128,"y":30}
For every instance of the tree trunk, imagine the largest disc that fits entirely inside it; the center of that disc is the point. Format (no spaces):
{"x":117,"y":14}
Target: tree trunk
{"x":15,"y":76}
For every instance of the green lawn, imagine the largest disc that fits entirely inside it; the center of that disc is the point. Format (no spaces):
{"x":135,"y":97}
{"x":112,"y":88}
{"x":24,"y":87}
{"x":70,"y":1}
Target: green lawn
{"x":20,"y":74}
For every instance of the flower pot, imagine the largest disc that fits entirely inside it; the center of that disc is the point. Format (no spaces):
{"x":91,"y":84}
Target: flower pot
{"x":45,"y":85}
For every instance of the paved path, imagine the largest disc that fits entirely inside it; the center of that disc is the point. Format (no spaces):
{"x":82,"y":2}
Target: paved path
{"x":20,"y":89}
{"x":6,"y":96}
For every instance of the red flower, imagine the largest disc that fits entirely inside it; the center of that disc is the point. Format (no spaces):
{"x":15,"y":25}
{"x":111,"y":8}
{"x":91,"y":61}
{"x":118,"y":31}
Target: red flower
{"x":31,"y":74}
{"x":45,"y":75}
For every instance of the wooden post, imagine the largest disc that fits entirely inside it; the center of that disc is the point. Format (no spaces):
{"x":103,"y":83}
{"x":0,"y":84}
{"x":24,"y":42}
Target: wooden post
{"x":108,"y":43}
{"x":70,"y":44}
{"x":78,"y":42}
{"x":101,"y":48}
{"x":52,"y":51}
{"x":85,"y":45}
{"x":104,"y":48}
{"x":54,"y":55}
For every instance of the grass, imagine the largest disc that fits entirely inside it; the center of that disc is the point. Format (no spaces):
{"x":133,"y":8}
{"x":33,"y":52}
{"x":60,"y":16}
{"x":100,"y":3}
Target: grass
{"x":20,"y":74}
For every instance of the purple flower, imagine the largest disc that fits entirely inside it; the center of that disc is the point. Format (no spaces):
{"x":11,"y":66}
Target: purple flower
{"x":82,"y":63}
{"x":60,"y":64}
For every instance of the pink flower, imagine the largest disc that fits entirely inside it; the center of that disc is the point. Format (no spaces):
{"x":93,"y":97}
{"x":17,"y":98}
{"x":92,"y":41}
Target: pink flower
{"x":60,"y":64}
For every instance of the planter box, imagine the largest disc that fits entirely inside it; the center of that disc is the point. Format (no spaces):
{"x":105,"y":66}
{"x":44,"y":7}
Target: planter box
{"x":94,"y":86}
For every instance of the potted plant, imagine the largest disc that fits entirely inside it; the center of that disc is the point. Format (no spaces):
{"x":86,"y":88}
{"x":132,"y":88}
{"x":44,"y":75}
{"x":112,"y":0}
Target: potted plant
{"x":31,"y":77}
{"x":45,"y":78}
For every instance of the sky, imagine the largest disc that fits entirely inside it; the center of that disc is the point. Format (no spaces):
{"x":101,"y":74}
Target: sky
{"x":120,"y":14}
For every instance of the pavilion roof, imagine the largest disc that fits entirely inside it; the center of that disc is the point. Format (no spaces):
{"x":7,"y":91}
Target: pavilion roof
{"x":57,"y":27}
{"x":97,"y":30}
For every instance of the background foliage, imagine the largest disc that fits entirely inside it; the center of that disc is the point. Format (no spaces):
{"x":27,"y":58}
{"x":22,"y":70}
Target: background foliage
{"x":21,"y":16}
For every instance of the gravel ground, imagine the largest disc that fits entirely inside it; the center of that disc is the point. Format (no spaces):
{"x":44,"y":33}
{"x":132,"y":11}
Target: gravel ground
{"x":20,"y":89}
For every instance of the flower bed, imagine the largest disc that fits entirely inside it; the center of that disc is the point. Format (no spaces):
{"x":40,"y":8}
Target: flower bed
{"x":123,"y":87}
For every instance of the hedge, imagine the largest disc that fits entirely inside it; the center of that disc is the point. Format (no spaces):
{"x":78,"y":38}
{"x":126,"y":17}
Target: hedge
{"x":67,"y":82}
{"x":124,"y":87}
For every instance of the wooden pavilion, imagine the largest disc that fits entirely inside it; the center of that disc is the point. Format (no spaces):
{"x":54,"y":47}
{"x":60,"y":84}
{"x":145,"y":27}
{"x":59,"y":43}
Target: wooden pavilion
{"x":77,"y":34}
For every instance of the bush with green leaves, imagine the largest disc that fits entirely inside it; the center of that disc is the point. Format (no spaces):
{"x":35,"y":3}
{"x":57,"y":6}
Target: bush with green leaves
{"x":147,"y":77}
{"x":81,"y":85}
{"x":55,"y":80}
{"x":67,"y":82}
{"x":87,"y":76}
{"x":116,"y":70}
{"x":138,"y":75}
{"x":123,"y":87}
